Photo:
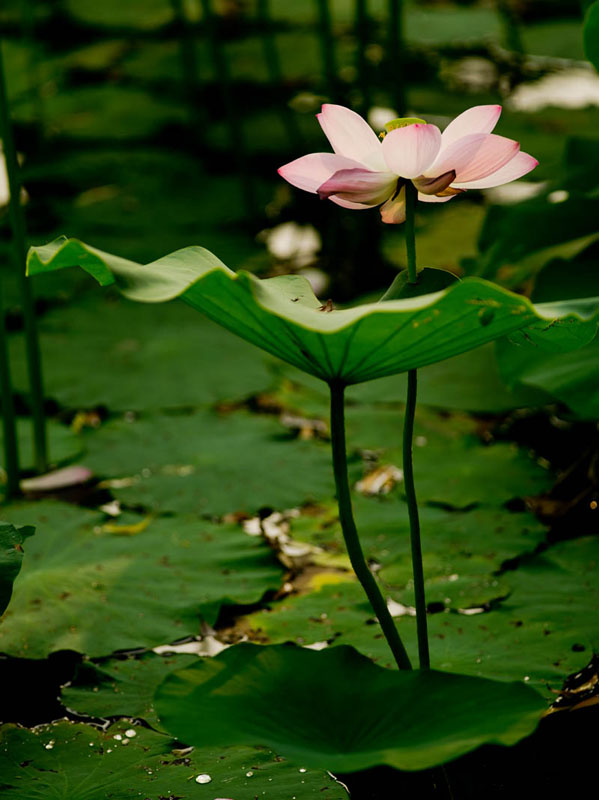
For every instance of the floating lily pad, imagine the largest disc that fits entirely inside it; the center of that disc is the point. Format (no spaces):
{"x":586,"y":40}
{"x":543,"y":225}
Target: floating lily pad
{"x":452,"y":466}
{"x":145,"y":357}
{"x":461,"y":550}
{"x":11,"y":557}
{"x":95,"y":590}
{"x":77,"y":761}
{"x":407,"y":719}
{"x":208,"y":463}
{"x":543,"y":630}
{"x":282,"y":315}
{"x":121,"y":687}
{"x":63,"y":444}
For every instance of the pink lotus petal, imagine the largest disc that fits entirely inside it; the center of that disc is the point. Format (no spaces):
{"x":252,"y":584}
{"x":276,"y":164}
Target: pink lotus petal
{"x":311,"y":171}
{"x":409,"y":151}
{"x":519,"y":165}
{"x":394,"y":210}
{"x":474,"y":157}
{"x":359,"y":186}
{"x":432,"y":198}
{"x":479,"y":119}
{"x":351,"y":136}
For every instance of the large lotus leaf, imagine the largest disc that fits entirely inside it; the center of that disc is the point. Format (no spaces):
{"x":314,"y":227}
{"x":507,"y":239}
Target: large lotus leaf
{"x":67,"y":761}
{"x":468,"y":382}
{"x":543,"y":630}
{"x":282,"y":315}
{"x":208,"y":463}
{"x":407,"y":719}
{"x":121,"y":687}
{"x":94,"y":590}
{"x":145,"y":357}
{"x":11,"y":557}
{"x":572,"y":378}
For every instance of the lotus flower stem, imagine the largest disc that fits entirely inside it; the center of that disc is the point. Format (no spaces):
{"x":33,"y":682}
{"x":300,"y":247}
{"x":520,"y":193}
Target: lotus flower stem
{"x":17,"y":221}
{"x":9,"y":429}
{"x":350,"y":533}
{"x":408,"y":462}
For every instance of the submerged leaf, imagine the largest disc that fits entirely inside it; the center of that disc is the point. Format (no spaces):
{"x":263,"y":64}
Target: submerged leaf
{"x":282,"y":315}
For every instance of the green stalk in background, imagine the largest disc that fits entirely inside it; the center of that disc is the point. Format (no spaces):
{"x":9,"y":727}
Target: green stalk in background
{"x":511,"y":26}
{"x":327,"y":48}
{"x":17,"y":221}
{"x":237,"y":144}
{"x":275,"y":71}
{"x":396,"y":56}
{"x":350,"y":534}
{"x":408,"y":446}
{"x":189,"y":68}
{"x":9,"y":427}
{"x":362,"y":29}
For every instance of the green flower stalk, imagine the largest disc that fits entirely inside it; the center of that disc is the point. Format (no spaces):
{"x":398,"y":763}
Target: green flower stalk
{"x":17,"y":221}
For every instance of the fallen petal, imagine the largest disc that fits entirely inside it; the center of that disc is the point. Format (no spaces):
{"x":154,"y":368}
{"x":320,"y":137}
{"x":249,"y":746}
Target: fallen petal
{"x":59,"y":479}
{"x":411,"y":150}
{"x":519,"y":165}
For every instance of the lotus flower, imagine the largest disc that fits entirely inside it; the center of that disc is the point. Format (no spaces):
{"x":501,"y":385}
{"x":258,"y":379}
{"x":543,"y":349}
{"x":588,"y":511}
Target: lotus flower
{"x":364,"y":171}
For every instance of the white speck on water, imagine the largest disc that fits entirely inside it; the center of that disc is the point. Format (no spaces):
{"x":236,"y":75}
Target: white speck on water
{"x":399,"y":610}
{"x":50,"y":744}
{"x":206,"y":646}
{"x":130,"y":733}
{"x":454,"y":577}
{"x":302,"y":769}
{"x":527,"y":677}
{"x":125,"y":741}
{"x":316,"y":646}
{"x":249,"y":774}
{"x":117,"y":736}
{"x":109,"y":751}
{"x":203,"y":778}
{"x":420,"y":441}
{"x":91,"y":744}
